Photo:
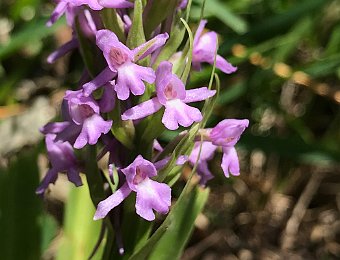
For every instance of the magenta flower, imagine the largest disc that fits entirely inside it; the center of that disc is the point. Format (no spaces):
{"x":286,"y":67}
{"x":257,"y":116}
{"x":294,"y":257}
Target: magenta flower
{"x":62,"y":158}
{"x":108,"y":100}
{"x":71,"y":9}
{"x":151,"y":195}
{"x":227,"y":132}
{"x":121,"y":63}
{"x":84,"y":113}
{"x":63,"y":50}
{"x":230,"y":163}
{"x":205,"y":48}
{"x":207,"y":153}
{"x":172,"y":95}
{"x":182,"y":4}
{"x":115,"y":3}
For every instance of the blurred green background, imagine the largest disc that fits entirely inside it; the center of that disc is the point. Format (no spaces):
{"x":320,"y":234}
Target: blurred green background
{"x":285,"y":204}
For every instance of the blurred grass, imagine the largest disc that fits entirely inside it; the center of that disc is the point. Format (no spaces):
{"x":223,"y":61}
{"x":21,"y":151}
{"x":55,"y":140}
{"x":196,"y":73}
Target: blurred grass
{"x":21,"y":212}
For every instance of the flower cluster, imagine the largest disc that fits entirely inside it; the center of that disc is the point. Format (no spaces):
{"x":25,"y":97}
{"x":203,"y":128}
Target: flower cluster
{"x":135,"y":95}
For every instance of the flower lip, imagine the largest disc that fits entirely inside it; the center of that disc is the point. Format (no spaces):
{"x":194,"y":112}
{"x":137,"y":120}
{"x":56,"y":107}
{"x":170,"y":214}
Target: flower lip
{"x":118,"y":56}
{"x":140,"y":176}
{"x":170,"y":92}
{"x":86,"y":110}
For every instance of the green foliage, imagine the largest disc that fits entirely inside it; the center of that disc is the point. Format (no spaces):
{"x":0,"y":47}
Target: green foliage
{"x":21,"y":219}
{"x":170,"y":238}
{"x":136,"y":34}
{"x":157,"y":13}
{"x":181,"y":227}
{"x":80,"y":231}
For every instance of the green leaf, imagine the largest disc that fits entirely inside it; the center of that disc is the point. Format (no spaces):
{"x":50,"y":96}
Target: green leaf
{"x":33,"y":31}
{"x":93,"y":177}
{"x":124,"y":131}
{"x":184,"y":147}
{"x":187,"y":57}
{"x":156,"y":14}
{"x":171,"y":46}
{"x":136,"y":34}
{"x":80,"y":230}
{"x":181,"y":217}
{"x":89,"y":51}
{"x":113,"y":22}
{"x":222,"y":12}
{"x":21,"y":209}
{"x":181,"y":227}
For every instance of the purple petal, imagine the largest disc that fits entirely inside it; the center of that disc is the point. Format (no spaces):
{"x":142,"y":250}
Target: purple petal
{"x":207,"y":152}
{"x":69,"y":134}
{"x":127,"y":23}
{"x":204,"y":51}
{"x":230,"y":163}
{"x":182,"y":159}
{"x":104,"y":77}
{"x":111,"y":202}
{"x":93,"y":4}
{"x":139,"y":170}
{"x":61,"y":154}
{"x":161,"y":163}
{"x":224,"y":65}
{"x":130,"y":78}
{"x":176,"y":112}
{"x":80,"y":107}
{"x":54,"y":128}
{"x":157,"y":146}
{"x":71,"y":12}
{"x":57,"y":13}
{"x":74,"y":177}
{"x":50,"y":177}
{"x":168,"y":85}
{"x":115,"y":52}
{"x":105,"y":38}
{"x":204,"y":172}
{"x":107,"y":101}
{"x":152,"y":195}
{"x":92,"y":129}
{"x":228,"y":132}
{"x":142,"y":110}
{"x":62,"y":50}
{"x":115,"y":3}
{"x":198,"y":94}
{"x":88,"y":23}
{"x":183,"y":4}
{"x":150,"y":46}
{"x":205,"y":48}
{"x":199,"y":31}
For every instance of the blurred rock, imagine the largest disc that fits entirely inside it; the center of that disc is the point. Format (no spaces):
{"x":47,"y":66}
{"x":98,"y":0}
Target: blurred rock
{"x":23,"y":129}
